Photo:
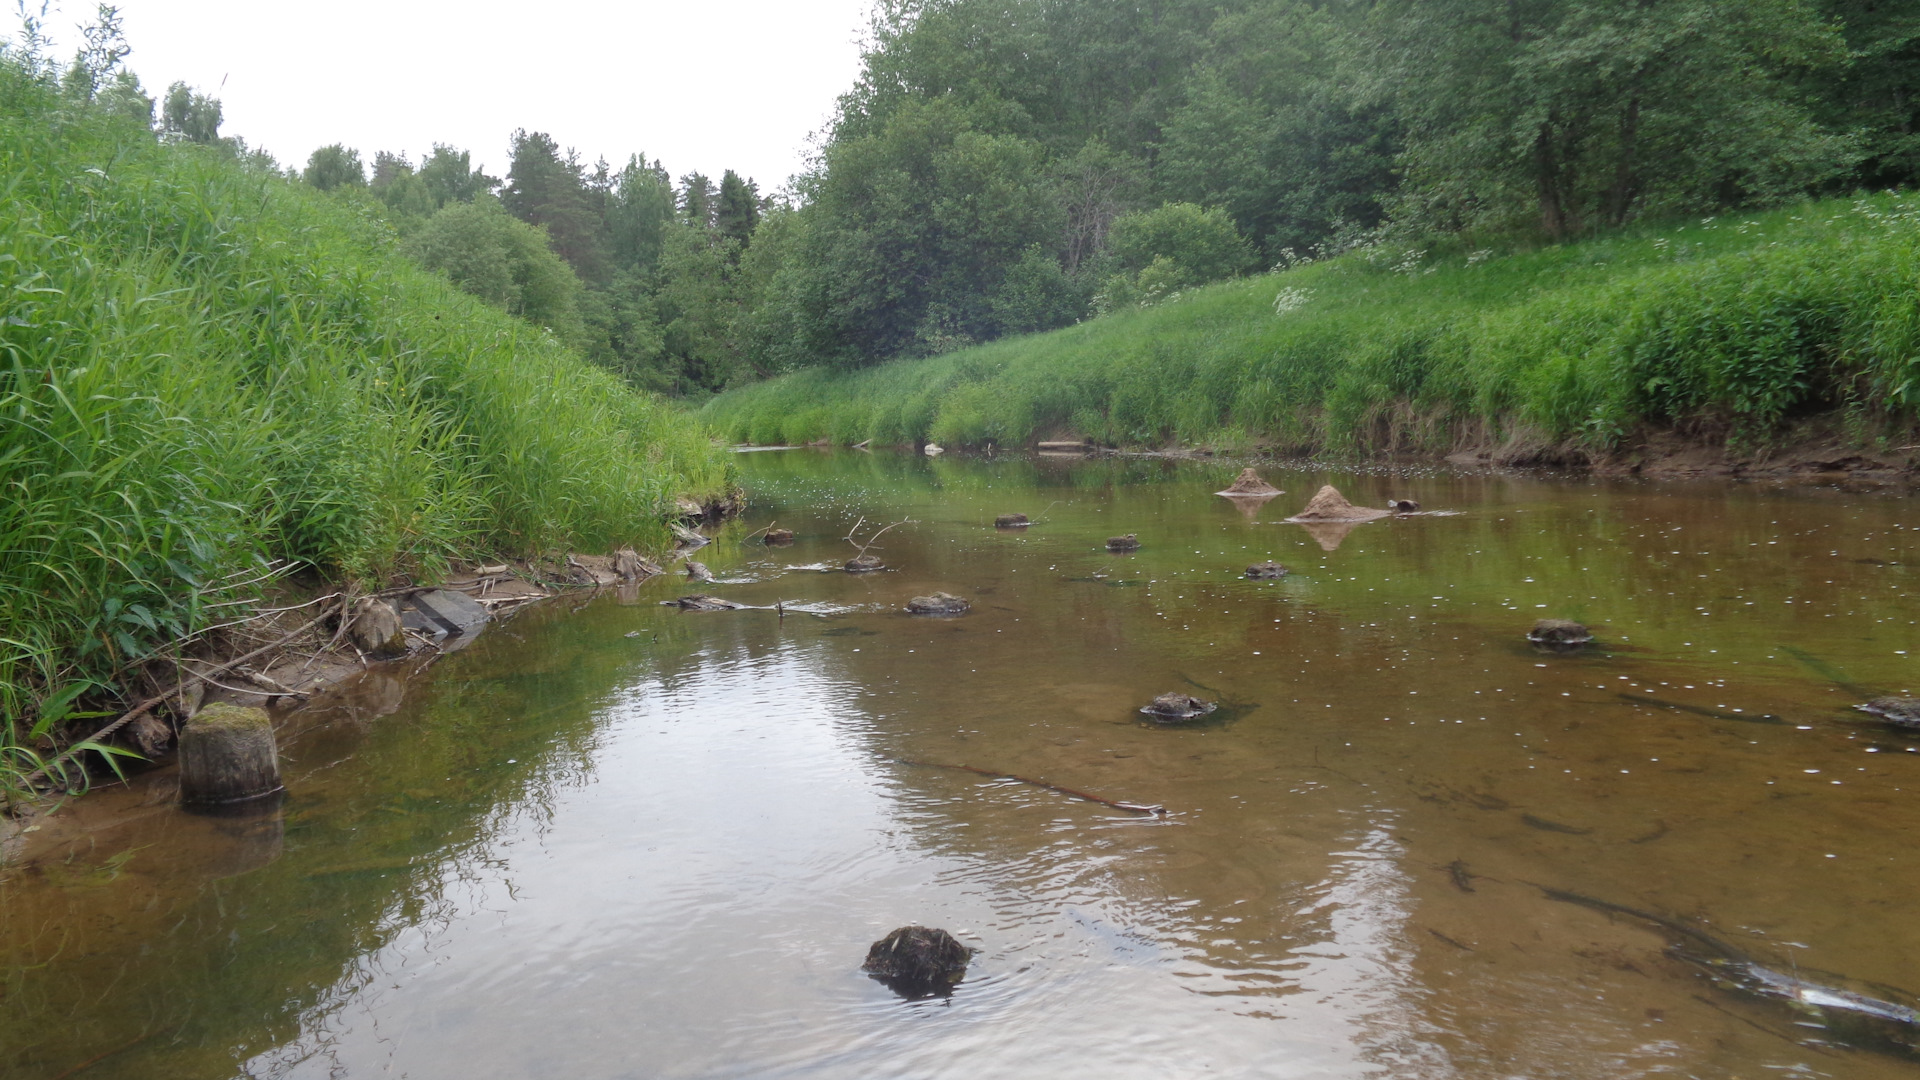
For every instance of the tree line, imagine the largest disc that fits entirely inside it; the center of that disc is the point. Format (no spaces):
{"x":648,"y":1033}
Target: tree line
{"x":1006,"y":166}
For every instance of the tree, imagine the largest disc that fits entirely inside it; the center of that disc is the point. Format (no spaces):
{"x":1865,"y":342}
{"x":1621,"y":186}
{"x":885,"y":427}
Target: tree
{"x":697,"y":200}
{"x":448,"y":176}
{"x":333,"y":167}
{"x":1583,"y":113}
{"x":549,"y":190}
{"x":640,"y":211}
{"x":737,"y":209}
{"x":186,"y":115}
{"x":501,"y":260}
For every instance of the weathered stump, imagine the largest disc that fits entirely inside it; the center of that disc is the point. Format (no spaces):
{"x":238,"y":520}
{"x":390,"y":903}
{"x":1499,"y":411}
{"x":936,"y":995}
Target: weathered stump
{"x":1403,"y":506}
{"x":860,"y":564}
{"x":1559,"y":634}
{"x":1262,"y":571}
{"x":1011,"y":521}
{"x":917,"y":961}
{"x":227,"y":755}
{"x":375,"y":629}
{"x":698,"y":572}
{"x":1168,"y":708}
{"x":1129,"y":542}
{"x":938,"y":604}
{"x":779,"y":536}
{"x":631,"y":567}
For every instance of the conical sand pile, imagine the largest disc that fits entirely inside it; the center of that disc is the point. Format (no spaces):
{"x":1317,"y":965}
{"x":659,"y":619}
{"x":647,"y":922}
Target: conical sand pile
{"x":1329,"y":505}
{"x":1250,"y":483}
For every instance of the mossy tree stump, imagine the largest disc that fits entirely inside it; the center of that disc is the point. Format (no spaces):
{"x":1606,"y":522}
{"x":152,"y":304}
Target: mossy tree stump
{"x":227,"y":755}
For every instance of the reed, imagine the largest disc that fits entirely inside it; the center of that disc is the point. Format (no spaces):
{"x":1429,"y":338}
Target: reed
{"x":1733,"y":323}
{"x":206,"y":370}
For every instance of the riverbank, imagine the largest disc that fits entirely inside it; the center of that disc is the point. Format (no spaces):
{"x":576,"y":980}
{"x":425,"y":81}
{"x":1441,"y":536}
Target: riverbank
{"x":226,"y":392}
{"x":1724,"y":333}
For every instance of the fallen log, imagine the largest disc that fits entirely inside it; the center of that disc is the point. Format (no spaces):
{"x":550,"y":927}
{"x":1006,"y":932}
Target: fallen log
{"x":1131,"y":807}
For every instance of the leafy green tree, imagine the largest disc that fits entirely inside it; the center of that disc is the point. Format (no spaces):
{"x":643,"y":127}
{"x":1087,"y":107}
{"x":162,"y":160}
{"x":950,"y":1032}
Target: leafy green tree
{"x":737,"y":210}
{"x":1878,"y":93}
{"x":1582,"y":113}
{"x":1201,"y":242}
{"x":186,"y":115}
{"x":640,"y":211}
{"x":333,"y":167}
{"x":448,"y":176}
{"x":501,"y":260}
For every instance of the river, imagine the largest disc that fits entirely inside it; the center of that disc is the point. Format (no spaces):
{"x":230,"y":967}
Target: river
{"x":616,"y":839}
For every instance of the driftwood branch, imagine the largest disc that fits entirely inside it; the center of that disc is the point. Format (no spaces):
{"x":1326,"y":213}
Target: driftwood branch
{"x":855,"y":531}
{"x":1137,"y":808}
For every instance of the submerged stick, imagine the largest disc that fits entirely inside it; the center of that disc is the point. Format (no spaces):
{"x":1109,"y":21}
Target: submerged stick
{"x":1137,"y":808}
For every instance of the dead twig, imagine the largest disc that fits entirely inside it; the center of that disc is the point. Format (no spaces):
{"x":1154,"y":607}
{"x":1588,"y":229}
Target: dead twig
{"x":855,"y":532}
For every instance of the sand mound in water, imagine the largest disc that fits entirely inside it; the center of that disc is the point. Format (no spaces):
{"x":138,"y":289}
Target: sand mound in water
{"x":1329,"y":505}
{"x":1250,"y":483}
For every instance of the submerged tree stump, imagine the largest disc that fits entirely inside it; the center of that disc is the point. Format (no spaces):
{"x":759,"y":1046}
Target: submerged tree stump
{"x":1263,"y":571}
{"x":227,"y":755}
{"x":861,"y":564}
{"x":1129,"y":542}
{"x":1011,"y":521}
{"x":938,"y":604}
{"x":779,"y":536}
{"x":376,"y":629}
{"x":1899,"y":711}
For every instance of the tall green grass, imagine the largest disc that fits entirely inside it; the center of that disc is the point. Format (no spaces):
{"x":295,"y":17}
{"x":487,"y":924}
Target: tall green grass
{"x":205,"y":369}
{"x":1734,"y":323}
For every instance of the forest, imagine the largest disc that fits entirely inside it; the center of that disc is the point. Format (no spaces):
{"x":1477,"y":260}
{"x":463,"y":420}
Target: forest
{"x":1010,"y":166}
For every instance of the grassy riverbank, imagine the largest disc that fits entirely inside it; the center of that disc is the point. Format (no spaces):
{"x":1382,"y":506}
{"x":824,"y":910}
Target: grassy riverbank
{"x":206,"y":370}
{"x":1727,"y":325}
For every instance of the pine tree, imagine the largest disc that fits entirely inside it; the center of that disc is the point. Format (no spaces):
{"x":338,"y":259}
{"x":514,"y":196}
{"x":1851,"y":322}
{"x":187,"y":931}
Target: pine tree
{"x":738,"y":210}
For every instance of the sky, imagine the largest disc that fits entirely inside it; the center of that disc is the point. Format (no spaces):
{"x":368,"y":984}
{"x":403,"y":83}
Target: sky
{"x":701,"y":86}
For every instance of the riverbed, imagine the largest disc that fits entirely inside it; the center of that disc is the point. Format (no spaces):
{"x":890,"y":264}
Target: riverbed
{"x":616,"y":839}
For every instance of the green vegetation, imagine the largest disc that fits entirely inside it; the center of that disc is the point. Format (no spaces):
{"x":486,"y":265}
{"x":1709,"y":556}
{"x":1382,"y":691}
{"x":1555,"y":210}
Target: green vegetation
{"x":209,"y":375}
{"x":1732,"y":323}
{"x":1008,"y":166}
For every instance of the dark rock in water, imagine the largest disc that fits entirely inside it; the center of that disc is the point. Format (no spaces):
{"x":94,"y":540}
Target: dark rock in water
{"x":698,"y":572}
{"x":938,"y":604}
{"x":687,"y":538}
{"x":779,"y":536}
{"x":1178,"y":707}
{"x":1559,"y":634}
{"x":702,"y":602}
{"x":860,"y":564}
{"x":1900,"y":711}
{"x":227,"y":754}
{"x":376,"y":629}
{"x":1011,"y":521}
{"x":1402,"y":506}
{"x":917,"y":961}
{"x":1129,"y":542}
{"x":1261,"y":571}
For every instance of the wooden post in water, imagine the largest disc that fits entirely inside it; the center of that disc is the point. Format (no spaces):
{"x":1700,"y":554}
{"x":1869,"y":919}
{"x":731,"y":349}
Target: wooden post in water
{"x":227,"y":754}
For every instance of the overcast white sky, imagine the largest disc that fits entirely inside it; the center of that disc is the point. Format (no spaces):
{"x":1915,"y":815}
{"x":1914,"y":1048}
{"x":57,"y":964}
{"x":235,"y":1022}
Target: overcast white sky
{"x":704,"y":86}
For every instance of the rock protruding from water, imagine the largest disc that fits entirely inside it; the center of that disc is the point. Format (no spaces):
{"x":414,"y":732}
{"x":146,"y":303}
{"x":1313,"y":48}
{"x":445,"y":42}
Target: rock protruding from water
{"x":1898,"y":711}
{"x":628,"y":564}
{"x":1170,"y":708}
{"x":1011,"y":521}
{"x":376,"y":629}
{"x":1328,"y":504}
{"x":938,"y":604}
{"x":1403,"y":506}
{"x":1559,"y":634}
{"x":1129,"y":542}
{"x":228,"y":755}
{"x":779,"y":537}
{"x":1250,"y":485}
{"x":698,"y":572}
{"x":861,"y":564}
{"x":1266,"y":571}
{"x":701,"y":602}
{"x":918,"y":960}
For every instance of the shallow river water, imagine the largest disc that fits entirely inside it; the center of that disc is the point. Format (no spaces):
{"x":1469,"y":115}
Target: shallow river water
{"x":615,"y":839}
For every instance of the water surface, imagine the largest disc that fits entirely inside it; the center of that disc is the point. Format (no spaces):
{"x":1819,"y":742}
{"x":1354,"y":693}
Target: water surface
{"x":613,"y":839}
